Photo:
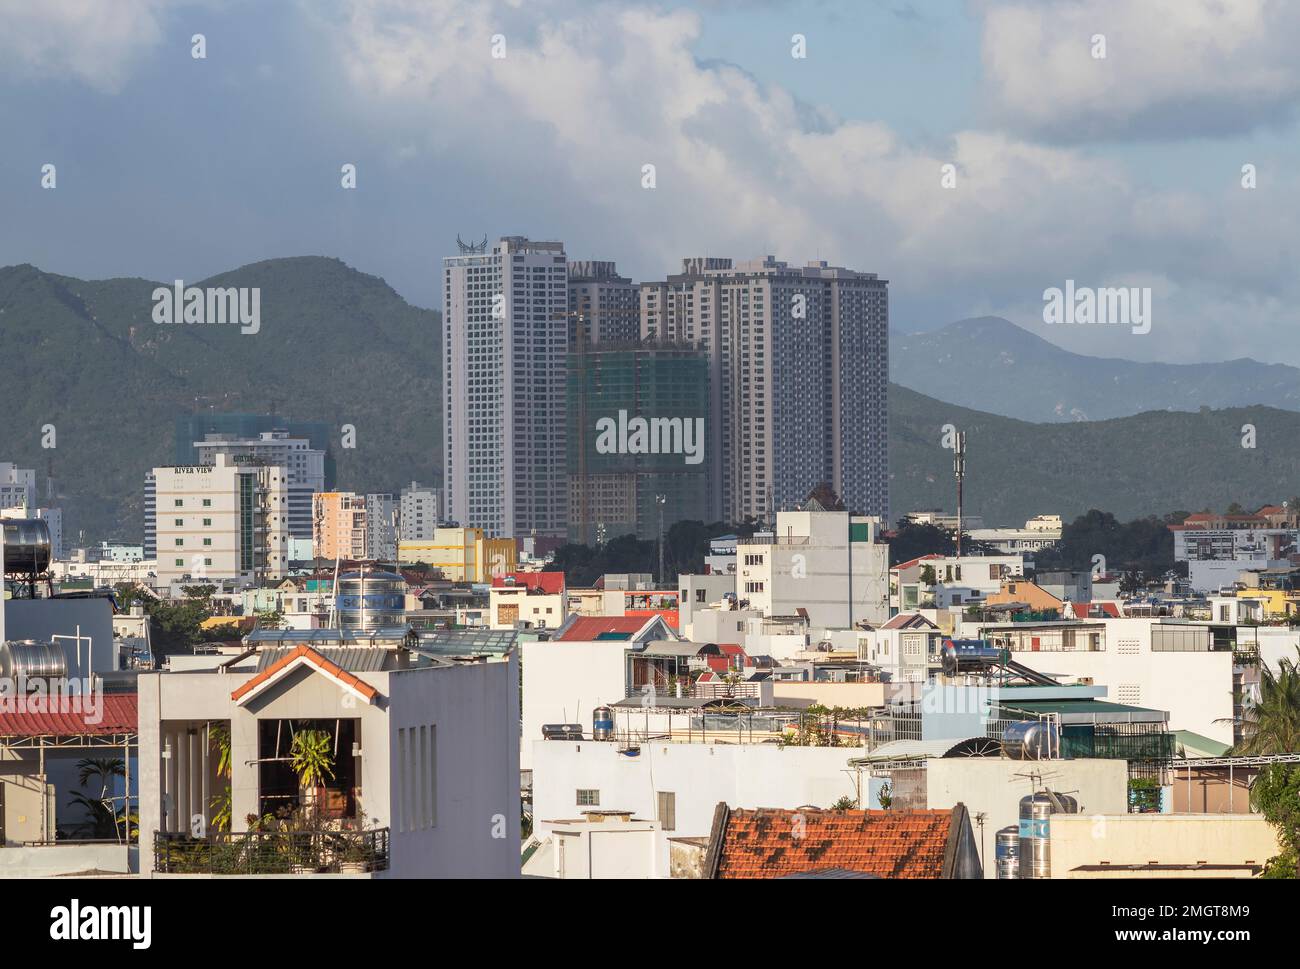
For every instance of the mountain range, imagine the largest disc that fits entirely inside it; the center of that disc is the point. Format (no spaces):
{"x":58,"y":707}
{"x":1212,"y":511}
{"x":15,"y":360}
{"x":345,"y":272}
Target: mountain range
{"x":993,"y":365}
{"x":335,"y":345}
{"x":341,"y":346}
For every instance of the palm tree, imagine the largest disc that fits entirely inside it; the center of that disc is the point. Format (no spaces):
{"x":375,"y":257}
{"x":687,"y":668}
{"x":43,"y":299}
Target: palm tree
{"x":1272,"y":724}
{"x":221,"y":803}
{"x":104,"y":820}
{"x":312,"y":760}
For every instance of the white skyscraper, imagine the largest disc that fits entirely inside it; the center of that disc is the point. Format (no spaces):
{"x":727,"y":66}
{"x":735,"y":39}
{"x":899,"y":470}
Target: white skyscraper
{"x":504,"y":363}
{"x":799,"y":378}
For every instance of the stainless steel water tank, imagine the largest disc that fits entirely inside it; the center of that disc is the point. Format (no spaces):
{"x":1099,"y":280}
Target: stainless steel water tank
{"x":1031,"y":740}
{"x":602,"y":724}
{"x":1007,"y":852}
{"x":31,"y":659}
{"x":1036,"y":810}
{"x":371,"y":600}
{"x":970,"y":656}
{"x":27,"y":545}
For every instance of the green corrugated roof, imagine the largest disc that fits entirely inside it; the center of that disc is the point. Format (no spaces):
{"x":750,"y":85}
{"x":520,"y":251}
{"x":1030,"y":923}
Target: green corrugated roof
{"x":1081,"y":711}
{"x":1200,"y":743}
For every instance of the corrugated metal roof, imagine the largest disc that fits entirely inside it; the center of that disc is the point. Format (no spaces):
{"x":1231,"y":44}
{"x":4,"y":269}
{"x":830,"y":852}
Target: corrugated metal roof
{"x":1086,"y":711}
{"x":54,"y":716}
{"x":909,"y":750}
{"x":468,"y":642}
{"x":336,"y":637}
{"x":354,"y":659}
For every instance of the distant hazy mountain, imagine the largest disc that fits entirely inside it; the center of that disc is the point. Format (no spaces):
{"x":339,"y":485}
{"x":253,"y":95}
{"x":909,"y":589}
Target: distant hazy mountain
{"x":335,"y":345}
{"x":340,"y":346}
{"x":992,"y":364}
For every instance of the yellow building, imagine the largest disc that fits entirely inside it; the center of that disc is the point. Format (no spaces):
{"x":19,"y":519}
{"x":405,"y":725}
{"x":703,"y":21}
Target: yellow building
{"x":463,"y":554}
{"x":1276,"y":603}
{"x":1022,"y":590}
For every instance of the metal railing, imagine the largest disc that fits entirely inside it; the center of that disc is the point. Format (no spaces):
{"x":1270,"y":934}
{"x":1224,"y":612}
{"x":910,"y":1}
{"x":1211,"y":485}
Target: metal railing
{"x":271,"y":852}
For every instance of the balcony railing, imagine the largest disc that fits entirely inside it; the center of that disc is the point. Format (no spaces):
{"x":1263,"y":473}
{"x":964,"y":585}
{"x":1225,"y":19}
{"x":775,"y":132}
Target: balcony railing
{"x":271,"y":852}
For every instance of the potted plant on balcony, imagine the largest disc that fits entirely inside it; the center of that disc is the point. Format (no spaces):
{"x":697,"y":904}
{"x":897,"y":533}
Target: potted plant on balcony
{"x":356,"y":848}
{"x":313,"y":763}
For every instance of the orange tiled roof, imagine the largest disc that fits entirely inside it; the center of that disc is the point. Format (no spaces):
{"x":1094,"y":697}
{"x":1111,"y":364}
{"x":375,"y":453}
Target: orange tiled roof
{"x":589,"y":628}
{"x":551,"y":583}
{"x":889,"y":844}
{"x":305,"y":654}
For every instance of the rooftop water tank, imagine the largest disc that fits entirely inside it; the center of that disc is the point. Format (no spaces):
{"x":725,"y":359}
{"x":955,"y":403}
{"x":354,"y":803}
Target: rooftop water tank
{"x":970,"y":656}
{"x":1008,"y":852}
{"x":371,"y":600}
{"x":27,"y":545}
{"x":30,"y":659}
{"x":602,"y":723}
{"x":1031,"y":740}
{"x":1036,"y":810}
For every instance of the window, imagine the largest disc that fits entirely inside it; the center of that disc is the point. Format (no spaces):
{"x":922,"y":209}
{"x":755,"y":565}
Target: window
{"x":588,"y":797}
{"x":207,"y":502}
{"x":207,"y":521}
{"x":180,"y":562}
{"x":207,"y":541}
{"x":179,"y":522}
{"x":180,"y":541}
{"x":179,"y":503}
{"x":666,"y":809}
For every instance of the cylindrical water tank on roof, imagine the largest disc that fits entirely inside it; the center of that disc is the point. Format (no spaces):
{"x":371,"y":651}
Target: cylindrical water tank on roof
{"x":1031,"y":740}
{"x":27,"y":545}
{"x":30,"y":659}
{"x":1036,"y":810}
{"x":1007,"y":852}
{"x":602,"y":724}
{"x":371,"y":600}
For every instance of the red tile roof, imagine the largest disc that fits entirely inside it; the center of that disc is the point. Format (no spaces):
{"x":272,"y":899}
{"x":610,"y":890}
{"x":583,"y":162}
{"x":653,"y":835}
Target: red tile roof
{"x":305,"y":654}
{"x":590,"y":628}
{"x":103,"y":715}
{"x":1095,"y":610}
{"x":770,"y":843}
{"x":909,"y":620}
{"x":910,"y":562}
{"x":550,"y":583}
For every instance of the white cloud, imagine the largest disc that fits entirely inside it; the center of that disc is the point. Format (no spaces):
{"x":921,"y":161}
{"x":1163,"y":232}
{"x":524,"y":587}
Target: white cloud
{"x":587,"y":95}
{"x":91,"y":41}
{"x":1173,"y":68}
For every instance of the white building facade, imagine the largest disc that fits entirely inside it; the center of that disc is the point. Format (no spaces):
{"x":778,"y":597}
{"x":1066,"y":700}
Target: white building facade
{"x":505,"y":347}
{"x":221,"y":521}
{"x":304,"y":464}
{"x":828,"y":563}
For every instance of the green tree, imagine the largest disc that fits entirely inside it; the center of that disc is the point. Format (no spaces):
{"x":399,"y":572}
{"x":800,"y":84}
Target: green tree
{"x":1272,"y":726}
{"x":270,"y":619}
{"x":96,"y":774}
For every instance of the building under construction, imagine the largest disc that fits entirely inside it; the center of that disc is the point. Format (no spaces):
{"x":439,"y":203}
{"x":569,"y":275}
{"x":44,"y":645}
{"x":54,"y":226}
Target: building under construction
{"x":617,"y":467}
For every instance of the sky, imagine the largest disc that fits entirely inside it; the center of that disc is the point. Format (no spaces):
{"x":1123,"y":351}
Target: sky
{"x":1122,"y":170}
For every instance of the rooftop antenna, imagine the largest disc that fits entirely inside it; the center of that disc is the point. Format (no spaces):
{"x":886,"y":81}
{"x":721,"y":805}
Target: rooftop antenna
{"x":959,"y":470}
